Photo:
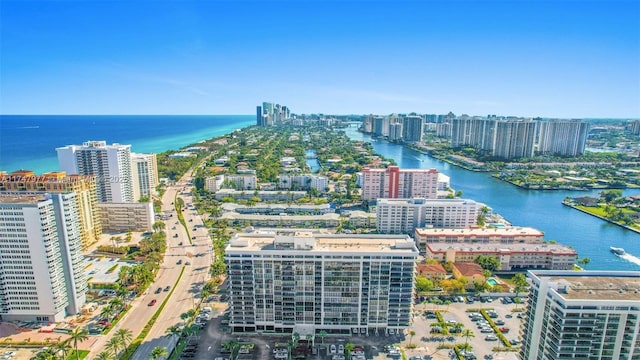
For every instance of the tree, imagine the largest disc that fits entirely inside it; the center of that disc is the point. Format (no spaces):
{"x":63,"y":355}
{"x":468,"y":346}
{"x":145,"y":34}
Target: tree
{"x":348,"y":348}
{"x":584,"y":262}
{"x":411,"y":335}
{"x":174,"y":330}
{"x":158,"y":352}
{"x":520,"y":283}
{"x":64,"y":348}
{"x":610,"y":195}
{"x":322,"y":334}
{"x":487,"y":262}
{"x":104,"y":356}
{"x":113,"y":346}
{"x":423,"y":284}
{"x":467,"y":333}
{"x":76,"y":336}
{"x":125,"y":336}
{"x":158,"y":226}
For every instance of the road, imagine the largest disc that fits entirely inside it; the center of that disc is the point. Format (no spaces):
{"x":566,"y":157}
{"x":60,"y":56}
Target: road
{"x":185,"y":294}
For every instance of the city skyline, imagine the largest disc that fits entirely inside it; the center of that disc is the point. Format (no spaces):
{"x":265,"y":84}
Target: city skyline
{"x":567,"y":59}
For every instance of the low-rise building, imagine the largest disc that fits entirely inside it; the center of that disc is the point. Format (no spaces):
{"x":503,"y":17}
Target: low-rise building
{"x":512,"y":257}
{"x":330,"y":220}
{"x":303,"y":182}
{"x":277,"y":209}
{"x":262,"y":194}
{"x":505,"y":235}
{"x":471,"y":272}
{"x":433,"y":272}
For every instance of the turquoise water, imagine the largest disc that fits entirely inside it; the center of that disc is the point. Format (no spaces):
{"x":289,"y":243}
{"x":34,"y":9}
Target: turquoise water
{"x":492,"y":281}
{"x":29,"y":142}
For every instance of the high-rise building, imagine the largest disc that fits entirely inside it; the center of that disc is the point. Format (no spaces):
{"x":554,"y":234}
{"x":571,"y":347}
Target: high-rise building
{"x":259,"y":116}
{"x":515,"y":139}
{"x":301,"y":282}
{"x":582,"y":315}
{"x":394,"y":182}
{"x":26,"y":181}
{"x":412,"y":128}
{"x":395,"y":131}
{"x":144,"y":169}
{"x":562,"y":137}
{"x":111,"y":164}
{"x":473,"y":132}
{"x":403,"y":216}
{"x":42,"y":274}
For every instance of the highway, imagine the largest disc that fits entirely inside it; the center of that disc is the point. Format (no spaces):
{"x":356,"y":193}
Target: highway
{"x":194,"y":258}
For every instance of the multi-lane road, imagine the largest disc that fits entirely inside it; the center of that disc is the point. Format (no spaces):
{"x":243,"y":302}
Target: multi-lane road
{"x":195,"y":257}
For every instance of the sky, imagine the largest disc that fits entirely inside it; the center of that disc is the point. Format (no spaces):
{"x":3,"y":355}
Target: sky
{"x":560,"y":58}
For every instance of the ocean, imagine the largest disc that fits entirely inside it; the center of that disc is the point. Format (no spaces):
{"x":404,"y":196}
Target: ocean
{"x":30,"y":141}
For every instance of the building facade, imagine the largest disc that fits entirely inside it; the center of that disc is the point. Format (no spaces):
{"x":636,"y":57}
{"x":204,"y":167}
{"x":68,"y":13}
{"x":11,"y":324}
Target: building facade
{"x":144,"y":169}
{"x":562,"y":137}
{"x":403,"y":216}
{"x":26,"y":181}
{"x":394,"y":183}
{"x":127,"y":216}
{"x":582,"y":315}
{"x":504,"y":235}
{"x":412,"y":128}
{"x":301,"y":282}
{"x":303,"y":182}
{"x":512,"y":257}
{"x":42,"y":274}
{"x":110,"y":164}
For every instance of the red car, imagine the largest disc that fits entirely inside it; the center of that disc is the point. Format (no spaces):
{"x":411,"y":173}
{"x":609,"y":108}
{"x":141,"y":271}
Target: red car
{"x":153,"y":302}
{"x":504,"y":330}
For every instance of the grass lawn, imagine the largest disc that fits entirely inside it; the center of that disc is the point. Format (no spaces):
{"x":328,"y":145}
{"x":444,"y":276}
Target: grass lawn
{"x":596,"y":210}
{"x":81,"y":354}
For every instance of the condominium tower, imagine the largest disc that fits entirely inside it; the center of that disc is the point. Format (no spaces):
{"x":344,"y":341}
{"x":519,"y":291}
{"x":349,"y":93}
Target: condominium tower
{"x":41,"y":263}
{"x":111,"y":164}
{"x":582,"y":315}
{"x":145,"y":175}
{"x":394,"y":182}
{"x":403,"y":216}
{"x":302,"y":282}
{"x":563,"y":137}
{"x":26,"y":181}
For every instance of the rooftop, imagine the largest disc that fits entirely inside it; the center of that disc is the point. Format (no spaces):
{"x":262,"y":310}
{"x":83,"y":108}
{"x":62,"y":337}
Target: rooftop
{"x":500,"y":248}
{"x":314,"y":242}
{"x":13,"y":198}
{"x":505,"y":231}
{"x":594,"y":285}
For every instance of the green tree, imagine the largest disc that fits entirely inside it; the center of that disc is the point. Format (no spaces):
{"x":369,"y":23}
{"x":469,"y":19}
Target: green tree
{"x":104,"y":356}
{"x":174,"y":330}
{"x":423,"y":284}
{"x":520,"y":283}
{"x":114,"y":345}
{"x":158,"y":352}
{"x":487,"y":262}
{"x":411,"y":335}
{"x":76,"y":336}
{"x":322,"y":334}
{"x":467,"y":333}
{"x":125,"y":336}
{"x":158,"y":226}
{"x":584,"y":262}
{"x":64,"y":348}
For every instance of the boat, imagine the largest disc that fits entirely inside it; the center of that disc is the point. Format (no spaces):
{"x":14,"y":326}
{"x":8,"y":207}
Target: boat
{"x":617,"y":251}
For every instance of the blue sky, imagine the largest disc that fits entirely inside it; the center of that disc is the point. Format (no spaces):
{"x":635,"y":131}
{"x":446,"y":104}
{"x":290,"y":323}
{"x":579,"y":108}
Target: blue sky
{"x":525,"y":58}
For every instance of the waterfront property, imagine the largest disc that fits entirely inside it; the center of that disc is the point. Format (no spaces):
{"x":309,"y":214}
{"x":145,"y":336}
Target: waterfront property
{"x":303,"y":282}
{"x":494,"y":235}
{"x":512,"y":257}
{"x":402,"y":216}
{"x":582,"y":314}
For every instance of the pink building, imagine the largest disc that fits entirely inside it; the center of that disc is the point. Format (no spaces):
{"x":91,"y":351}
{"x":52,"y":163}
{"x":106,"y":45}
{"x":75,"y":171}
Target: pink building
{"x":394,"y":182}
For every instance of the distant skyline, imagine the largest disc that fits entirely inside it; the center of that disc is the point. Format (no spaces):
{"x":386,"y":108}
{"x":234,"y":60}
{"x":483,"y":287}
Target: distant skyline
{"x":567,"y":59}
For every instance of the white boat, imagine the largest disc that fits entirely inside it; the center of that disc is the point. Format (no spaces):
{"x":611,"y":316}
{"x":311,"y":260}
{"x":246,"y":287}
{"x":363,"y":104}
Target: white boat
{"x":617,"y":251}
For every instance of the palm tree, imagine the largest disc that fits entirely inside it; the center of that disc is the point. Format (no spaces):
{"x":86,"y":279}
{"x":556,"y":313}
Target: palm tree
{"x":411,"y":335}
{"x":125,"y":336}
{"x":158,"y":352}
{"x":78,"y":335}
{"x":174,"y":330}
{"x":309,"y":339}
{"x":348,"y":348}
{"x":107,"y":312}
{"x":322,"y":334}
{"x":104,"y":356}
{"x":116,"y":303}
{"x":113,"y":345}
{"x":48,"y":354}
{"x":64,"y":348}
{"x":467,"y":333}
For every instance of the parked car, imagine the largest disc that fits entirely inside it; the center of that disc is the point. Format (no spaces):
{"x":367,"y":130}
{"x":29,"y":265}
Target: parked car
{"x":158,"y":290}
{"x":179,"y":262}
{"x":491,"y":338}
{"x":167,"y":288}
{"x":152,"y":302}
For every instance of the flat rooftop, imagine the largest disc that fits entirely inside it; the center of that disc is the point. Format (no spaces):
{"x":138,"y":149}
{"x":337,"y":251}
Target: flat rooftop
{"x":514,"y":248}
{"x":505,"y":231}
{"x":21,"y":199}
{"x":599,"y":287}
{"x":313,"y":242}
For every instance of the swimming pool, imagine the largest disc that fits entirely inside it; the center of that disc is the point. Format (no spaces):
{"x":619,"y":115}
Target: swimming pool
{"x":492,"y":281}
